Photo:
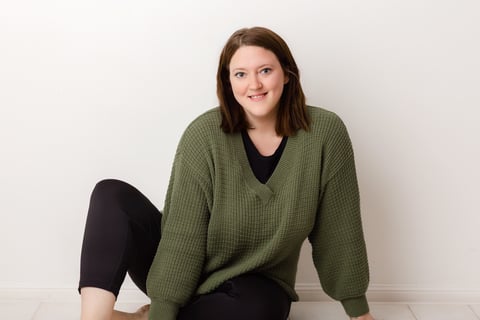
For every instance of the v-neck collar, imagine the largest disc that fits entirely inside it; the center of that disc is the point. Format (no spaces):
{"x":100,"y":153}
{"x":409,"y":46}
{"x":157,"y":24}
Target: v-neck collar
{"x":248,"y":143}
{"x":279,"y":175}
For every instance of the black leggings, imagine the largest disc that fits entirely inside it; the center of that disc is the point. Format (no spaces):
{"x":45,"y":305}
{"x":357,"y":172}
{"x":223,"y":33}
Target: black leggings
{"x":122,"y":233}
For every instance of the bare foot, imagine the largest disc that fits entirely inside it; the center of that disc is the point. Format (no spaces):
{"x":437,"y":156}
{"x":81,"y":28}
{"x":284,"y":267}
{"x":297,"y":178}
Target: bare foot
{"x":142,"y":313}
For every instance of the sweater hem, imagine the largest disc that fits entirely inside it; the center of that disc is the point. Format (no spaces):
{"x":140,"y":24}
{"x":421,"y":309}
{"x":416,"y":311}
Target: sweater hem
{"x":160,"y":309}
{"x":356,"y":307}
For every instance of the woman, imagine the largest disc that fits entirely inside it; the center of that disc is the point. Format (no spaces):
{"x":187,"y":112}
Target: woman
{"x":251,"y":180}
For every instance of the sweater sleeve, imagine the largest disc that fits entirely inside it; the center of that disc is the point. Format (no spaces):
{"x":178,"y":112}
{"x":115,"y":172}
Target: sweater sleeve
{"x":178,"y":263}
{"x":338,"y":246}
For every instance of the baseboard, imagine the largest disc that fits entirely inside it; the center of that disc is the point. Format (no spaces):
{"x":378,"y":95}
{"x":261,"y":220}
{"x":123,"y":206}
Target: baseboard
{"x":397,"y":294}
{"x":306,"y":292}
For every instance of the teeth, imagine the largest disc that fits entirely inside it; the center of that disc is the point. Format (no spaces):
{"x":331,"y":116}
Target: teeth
{"x":255,"y":97}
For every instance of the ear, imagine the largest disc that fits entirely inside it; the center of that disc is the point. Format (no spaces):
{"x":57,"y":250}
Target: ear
{"x":286,"y":76}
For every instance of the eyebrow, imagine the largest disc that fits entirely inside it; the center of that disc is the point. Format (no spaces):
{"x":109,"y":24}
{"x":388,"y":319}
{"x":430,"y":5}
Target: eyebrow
{"x":260,"y":67}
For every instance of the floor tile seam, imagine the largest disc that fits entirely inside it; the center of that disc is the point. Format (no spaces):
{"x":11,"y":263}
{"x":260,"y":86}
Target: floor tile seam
{"x":412,"y":312}
{"x":39,"y":305}
{"x":473,"y":311}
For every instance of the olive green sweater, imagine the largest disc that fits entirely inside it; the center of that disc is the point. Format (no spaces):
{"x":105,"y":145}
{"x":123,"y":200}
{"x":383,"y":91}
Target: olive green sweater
{"x":219,"y":221}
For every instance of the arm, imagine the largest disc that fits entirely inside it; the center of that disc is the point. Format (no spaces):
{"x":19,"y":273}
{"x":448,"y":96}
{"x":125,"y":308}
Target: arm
{"x":338,"y":246}
{"x":178,"y":264}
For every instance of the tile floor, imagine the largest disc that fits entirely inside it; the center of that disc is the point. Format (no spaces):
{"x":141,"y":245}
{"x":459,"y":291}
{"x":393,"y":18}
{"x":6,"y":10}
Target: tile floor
{"x":36,"y":310}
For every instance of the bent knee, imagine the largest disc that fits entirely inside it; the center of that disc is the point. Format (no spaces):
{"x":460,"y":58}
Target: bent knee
{"x":108,"y":189}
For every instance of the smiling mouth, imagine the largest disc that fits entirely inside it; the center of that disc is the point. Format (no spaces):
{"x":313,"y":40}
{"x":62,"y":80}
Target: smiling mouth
{"x":257,"y":96}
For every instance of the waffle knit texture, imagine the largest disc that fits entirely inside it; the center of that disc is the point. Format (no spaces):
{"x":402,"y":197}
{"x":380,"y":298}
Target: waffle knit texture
{"x":219,"y":221}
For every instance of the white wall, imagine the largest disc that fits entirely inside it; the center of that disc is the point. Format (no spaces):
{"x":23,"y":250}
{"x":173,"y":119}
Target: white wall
{"x":94,"y":89}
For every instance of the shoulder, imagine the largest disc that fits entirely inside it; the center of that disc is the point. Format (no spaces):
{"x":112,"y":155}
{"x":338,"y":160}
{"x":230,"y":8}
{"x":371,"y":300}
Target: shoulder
{"x":209,"y":120}
{"x":331,"y":133}
{"x":325,"y":122}
{"x":205,"y":124}
{"x":203,"y":130}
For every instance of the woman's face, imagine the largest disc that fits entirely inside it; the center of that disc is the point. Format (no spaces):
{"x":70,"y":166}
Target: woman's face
{"x":257,"y":80}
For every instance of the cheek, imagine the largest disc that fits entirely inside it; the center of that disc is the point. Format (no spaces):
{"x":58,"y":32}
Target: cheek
{"x":237,"y":88}
{"x":235,"y":92}
{"x":281,"y":81}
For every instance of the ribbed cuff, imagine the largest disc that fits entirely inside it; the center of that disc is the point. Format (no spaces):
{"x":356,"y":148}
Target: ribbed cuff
{"x":163,"y":310}
{"x":356,"y":307}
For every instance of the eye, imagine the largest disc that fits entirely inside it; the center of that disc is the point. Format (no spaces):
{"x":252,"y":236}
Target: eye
{"x":239,"y":74}
{"x":266,"y":70}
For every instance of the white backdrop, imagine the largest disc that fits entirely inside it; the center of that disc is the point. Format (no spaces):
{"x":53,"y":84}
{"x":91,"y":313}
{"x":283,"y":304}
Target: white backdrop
{"x":96,"y":89}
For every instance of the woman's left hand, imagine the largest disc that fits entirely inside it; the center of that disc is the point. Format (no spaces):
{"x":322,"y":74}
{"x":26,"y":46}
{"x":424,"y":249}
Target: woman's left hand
{"x":366,"y":316}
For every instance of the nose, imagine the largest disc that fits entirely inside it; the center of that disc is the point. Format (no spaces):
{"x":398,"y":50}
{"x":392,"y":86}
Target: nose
{"x":255,"y":83}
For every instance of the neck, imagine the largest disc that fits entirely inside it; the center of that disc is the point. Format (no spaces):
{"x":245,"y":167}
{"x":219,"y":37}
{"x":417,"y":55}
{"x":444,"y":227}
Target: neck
{"x":264,"y":127}
{"x":263,"y":130}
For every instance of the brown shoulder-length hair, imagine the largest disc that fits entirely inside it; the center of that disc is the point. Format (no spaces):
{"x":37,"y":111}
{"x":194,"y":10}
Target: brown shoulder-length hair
{"x":292,"y":112}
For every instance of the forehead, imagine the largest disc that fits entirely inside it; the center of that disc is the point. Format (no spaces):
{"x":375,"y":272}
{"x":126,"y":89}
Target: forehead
{"x":251,"y":57}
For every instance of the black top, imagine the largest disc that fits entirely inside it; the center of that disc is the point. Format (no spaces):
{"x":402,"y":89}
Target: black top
{"x":262,"y":166}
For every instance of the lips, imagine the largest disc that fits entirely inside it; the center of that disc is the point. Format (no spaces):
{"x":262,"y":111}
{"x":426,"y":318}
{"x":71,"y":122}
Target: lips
{"x":257,"y":97}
